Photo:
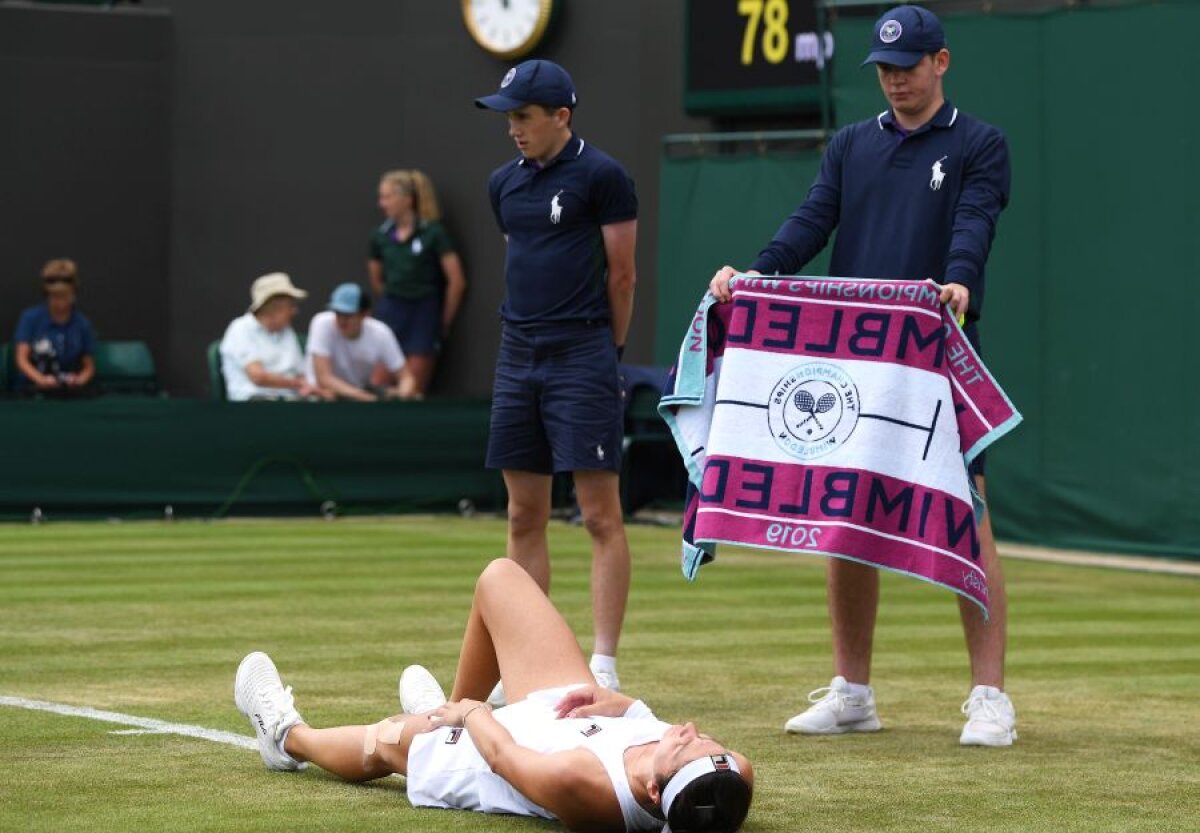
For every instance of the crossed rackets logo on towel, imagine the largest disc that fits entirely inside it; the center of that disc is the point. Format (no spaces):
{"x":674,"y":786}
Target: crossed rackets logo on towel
{"x":804,"y":402}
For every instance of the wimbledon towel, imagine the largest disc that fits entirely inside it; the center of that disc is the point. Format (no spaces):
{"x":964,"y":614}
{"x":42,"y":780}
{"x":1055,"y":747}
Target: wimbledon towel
{"x":837,"y":417}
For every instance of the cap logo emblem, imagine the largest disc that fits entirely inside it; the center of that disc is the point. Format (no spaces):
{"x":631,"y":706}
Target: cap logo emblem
{"x":510,"y":75}
{"x":890,"y":31}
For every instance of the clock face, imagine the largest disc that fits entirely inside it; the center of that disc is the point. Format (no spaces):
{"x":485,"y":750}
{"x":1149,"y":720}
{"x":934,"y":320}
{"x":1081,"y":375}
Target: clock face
{"x":507,"y":28}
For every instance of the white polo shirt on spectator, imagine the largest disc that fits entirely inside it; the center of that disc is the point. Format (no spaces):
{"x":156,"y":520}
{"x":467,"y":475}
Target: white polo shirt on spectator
{"x":352,"y":359}
{"x":247,"y":341}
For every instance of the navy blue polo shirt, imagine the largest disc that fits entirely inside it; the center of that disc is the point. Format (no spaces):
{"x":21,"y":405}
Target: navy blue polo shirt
{"x":907,"y":206}
{"x":54,"y":347}
{"x":556,"y":269}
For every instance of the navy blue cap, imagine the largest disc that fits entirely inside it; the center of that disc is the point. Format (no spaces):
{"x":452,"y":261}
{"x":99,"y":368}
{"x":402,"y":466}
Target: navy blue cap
{"x":532,"y":82}
{"x":905,"y":35}
{"x":349,"y":299}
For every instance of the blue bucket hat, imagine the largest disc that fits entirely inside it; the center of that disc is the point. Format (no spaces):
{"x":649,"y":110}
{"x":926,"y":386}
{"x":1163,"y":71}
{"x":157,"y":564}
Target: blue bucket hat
{"x":349,"y":299}
{"x":531,"y":82}
{"x":905,"y":35}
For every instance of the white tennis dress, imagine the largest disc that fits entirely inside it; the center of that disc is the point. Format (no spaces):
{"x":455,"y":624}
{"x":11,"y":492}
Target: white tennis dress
{"x":446,"y":770}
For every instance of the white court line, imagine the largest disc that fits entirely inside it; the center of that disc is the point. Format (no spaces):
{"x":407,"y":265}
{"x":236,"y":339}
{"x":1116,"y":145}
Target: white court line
{"x":160,"y":727}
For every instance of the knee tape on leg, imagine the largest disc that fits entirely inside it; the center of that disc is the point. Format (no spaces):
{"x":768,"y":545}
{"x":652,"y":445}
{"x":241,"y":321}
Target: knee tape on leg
{"x":385,"y":731}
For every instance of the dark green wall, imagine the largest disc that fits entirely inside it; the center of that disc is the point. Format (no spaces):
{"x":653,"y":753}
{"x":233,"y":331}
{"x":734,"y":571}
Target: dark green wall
{"x":1089,"y":304}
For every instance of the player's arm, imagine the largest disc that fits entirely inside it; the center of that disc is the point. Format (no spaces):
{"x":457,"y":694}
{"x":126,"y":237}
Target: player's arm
{"x":456,"y":287}
{"x":330,"y":381}
{"x":25,"y":365}
{"x":985,"y":189}
{"x":592,"y":701}
{"x":570,"y":784}
{"x":375,"y":275}
{"x":259,"y":375}
{"x":620,"y":241}
{"x":804,"y":234}
{"x":87,"y":370}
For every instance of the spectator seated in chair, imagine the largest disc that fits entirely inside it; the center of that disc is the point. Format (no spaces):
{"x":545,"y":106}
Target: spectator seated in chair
{"x":260,"y":352}
{"x":355,"y":356}
{"x":55,"y":343}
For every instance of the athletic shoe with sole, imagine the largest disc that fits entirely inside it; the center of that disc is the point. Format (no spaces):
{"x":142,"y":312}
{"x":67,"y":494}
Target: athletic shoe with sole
{"x":835,"y":711}
{"x":607,"y":679}
{"x":991,"y":718}
{"x":419,"y":691}
{"x":259,"y":694}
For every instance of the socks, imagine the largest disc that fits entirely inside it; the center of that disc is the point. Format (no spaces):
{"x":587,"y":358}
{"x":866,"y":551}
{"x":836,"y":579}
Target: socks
{"x":600,"y":662}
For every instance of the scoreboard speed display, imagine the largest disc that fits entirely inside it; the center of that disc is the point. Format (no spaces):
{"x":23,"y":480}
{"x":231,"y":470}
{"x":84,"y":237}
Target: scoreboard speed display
{"x":754,"y":56}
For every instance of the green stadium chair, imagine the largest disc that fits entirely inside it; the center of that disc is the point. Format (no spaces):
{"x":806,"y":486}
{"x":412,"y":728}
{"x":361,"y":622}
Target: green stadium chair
{"x":650,"y":466}
{"x":216,"y":379}
{"x":125,"y":368}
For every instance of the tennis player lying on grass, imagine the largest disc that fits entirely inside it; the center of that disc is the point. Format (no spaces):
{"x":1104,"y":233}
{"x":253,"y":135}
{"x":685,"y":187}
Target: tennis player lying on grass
{"x":564,"y":749}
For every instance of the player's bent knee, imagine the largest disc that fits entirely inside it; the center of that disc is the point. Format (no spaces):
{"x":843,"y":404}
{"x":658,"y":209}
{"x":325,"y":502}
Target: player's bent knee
{"x":498,"y":571}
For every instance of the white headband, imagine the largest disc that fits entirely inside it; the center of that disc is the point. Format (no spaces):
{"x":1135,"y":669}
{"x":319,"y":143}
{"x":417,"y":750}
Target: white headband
{"x":689,"y":773}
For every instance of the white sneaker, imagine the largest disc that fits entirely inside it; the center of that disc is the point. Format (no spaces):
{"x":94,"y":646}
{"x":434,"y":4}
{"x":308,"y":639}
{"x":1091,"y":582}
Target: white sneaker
{"x":607,"y":679}
{"x":835,"y":711}
{"x":259,"y":695}
{"x":497,"y":699}
{"x":991,"y":718}
{"x":419,"y":691}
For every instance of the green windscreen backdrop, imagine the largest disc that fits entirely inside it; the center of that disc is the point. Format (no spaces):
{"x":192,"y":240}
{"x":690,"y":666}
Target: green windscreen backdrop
{"x":1091,"y":294}
{"x":719,"y":209}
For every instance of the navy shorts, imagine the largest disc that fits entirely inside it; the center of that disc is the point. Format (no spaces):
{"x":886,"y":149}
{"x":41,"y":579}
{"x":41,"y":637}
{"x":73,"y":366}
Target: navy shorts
{"x":417,"y":324}
{"x":556,"y":403}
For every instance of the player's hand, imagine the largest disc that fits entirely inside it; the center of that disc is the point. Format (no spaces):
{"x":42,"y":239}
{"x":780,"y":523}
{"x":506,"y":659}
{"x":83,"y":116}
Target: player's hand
{"x":453,"y":713}
{"x":592,"y":700}
{"x":719,"y":285}
{"x":958,"y":297}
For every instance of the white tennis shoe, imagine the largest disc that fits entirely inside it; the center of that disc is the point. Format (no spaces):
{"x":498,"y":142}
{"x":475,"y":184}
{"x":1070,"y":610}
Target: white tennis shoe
{"x":259,"y":695}
{"x":835,"y":710}
{"x":991,"y":718}
{"x":420,"y":691}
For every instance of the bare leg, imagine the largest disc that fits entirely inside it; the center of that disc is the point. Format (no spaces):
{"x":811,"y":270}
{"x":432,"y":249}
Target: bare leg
{"x":420,"y":369}
{"x":528,"y":516}
{"x":340,"y":750}
{"x":600,"y":500}
{"x":986,"y":641}
{"x":514,"y":633}
{"x":853,"y":602}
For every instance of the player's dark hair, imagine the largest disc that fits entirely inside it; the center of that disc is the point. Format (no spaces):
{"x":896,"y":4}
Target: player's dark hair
{"x":551,"y":109}
{"x":716,"y":802}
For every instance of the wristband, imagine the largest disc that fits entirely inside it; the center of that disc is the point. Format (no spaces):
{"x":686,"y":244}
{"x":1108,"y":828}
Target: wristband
{"x":472,"y":709}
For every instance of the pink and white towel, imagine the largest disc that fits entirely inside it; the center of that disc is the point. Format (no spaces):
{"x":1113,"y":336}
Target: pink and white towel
{"x":837,"y":417}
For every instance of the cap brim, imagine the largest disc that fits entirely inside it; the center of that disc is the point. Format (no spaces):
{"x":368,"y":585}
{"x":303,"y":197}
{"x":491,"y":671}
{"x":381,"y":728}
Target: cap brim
{"x":499,"y":103}
{"x":894,"y":57}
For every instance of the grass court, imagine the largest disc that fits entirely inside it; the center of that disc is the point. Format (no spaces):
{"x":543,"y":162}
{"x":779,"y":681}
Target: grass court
{"x":150,"y":619}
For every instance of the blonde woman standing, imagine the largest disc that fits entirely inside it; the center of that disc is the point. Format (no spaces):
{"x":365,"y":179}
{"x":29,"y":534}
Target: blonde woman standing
{"x":415,"y":271}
